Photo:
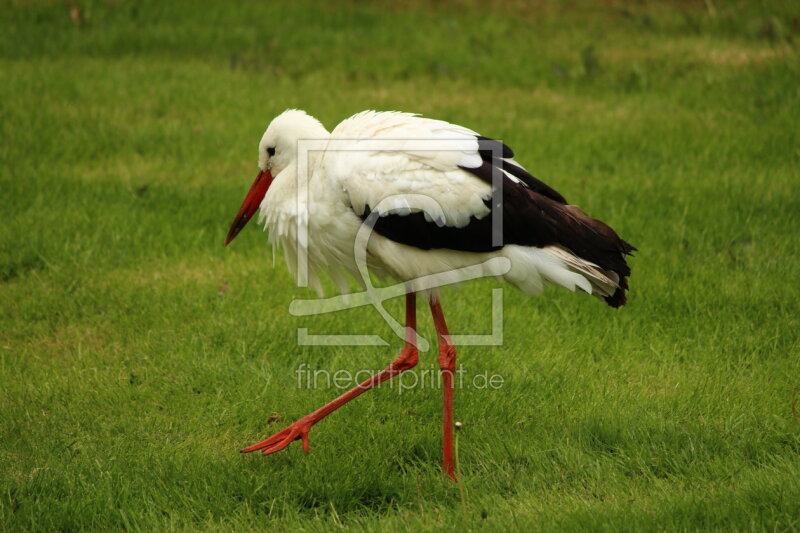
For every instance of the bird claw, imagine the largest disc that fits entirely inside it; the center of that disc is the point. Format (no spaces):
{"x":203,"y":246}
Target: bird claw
{"x":281,"y":439}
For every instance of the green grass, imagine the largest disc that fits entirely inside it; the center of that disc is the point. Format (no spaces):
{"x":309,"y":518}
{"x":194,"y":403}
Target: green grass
{"x":129,"y":380}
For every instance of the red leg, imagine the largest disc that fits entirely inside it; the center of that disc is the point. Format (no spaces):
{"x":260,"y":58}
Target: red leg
{"x":299,"y":430}
{"x":447,"y":367}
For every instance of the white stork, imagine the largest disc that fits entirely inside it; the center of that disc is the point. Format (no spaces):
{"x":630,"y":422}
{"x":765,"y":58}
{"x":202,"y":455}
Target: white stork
{"x":442,"y":198}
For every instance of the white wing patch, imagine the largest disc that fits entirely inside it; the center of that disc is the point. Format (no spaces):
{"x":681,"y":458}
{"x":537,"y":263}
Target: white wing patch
{"x":410,"y":161}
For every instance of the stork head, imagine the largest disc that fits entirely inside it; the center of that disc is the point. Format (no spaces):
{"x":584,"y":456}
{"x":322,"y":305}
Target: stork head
{"x":276,"y":152}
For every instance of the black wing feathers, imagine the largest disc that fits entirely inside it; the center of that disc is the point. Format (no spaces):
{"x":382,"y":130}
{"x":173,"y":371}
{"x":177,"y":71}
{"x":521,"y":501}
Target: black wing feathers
{"x":415,"y":231}
{"x":487,"y":168}
{"x":540,"y":221}
{"x":533,"y":214}
{"x":489,"y":150}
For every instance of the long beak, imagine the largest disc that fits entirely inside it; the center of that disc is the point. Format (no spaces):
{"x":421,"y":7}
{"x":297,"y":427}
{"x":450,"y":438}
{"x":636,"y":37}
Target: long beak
{"x":250,"y":205}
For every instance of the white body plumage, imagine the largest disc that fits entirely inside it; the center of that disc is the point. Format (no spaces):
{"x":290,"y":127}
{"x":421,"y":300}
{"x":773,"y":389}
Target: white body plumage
{"x":319,"y":213}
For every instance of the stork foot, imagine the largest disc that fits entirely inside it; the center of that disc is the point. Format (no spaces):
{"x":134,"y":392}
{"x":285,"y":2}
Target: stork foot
{"x":281,"y":439}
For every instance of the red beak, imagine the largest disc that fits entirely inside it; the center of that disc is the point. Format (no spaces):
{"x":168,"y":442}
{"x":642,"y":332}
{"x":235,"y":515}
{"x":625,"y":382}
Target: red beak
{"x":250,"y":205}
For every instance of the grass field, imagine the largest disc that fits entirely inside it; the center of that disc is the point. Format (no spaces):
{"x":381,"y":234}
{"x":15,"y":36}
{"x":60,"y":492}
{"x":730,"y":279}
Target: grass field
{"x":137,"y":354}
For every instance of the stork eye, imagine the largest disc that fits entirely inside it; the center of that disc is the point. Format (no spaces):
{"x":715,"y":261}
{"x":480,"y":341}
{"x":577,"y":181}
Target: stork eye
{"x":271,"y":151}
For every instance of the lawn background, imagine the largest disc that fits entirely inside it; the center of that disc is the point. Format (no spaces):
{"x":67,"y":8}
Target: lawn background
{"x":137,"y":354}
